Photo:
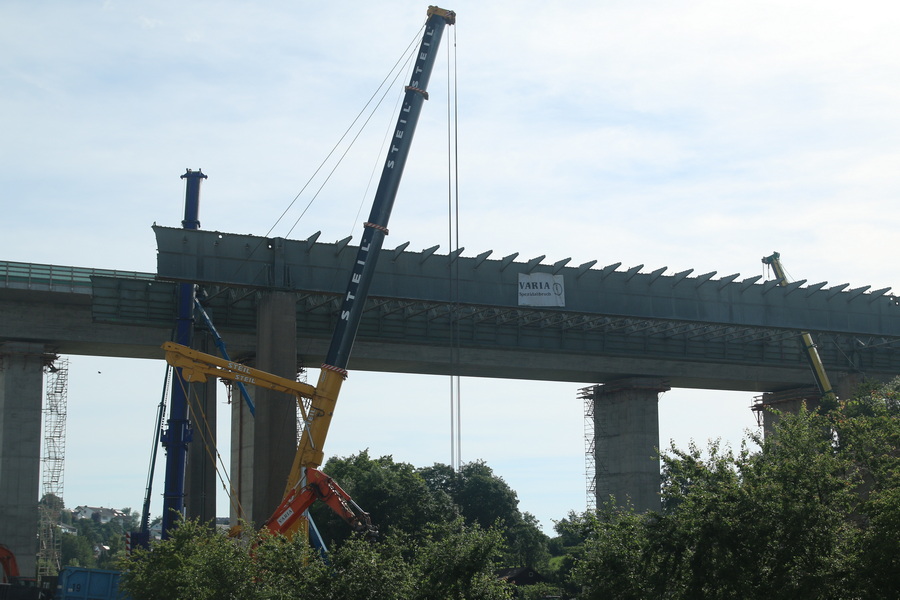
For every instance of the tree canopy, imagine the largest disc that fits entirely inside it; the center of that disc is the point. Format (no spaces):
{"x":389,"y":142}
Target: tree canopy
{"x":451,"y":561}
{"x":404,"y":499}
{"x":813,"y":514}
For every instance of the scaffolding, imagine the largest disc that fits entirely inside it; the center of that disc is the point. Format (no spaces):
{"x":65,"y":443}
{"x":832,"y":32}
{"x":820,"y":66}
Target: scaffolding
{"x":590,"y":457}
{"x":53,"y":459}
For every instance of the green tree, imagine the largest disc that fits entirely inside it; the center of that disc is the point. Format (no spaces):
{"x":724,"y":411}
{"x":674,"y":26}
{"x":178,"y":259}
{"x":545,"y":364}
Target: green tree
{"x":449,"y":562}
{"x":812,"y":514}
{"x":867,"y":430}
{"x":764,"y":525}
{"x":527,"y":545}
{"x":394,"y":494}
{"x":481,"y":496}
{"x":485,"y":499}
{"x":52,"y":502}
{"x":609,"y":550}
{"x":458,"y":562}
{"x":195,"y":562}
{"x":76,"y":551}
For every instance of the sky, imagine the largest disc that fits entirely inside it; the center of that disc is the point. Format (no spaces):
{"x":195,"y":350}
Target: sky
{"x":700,"y":134}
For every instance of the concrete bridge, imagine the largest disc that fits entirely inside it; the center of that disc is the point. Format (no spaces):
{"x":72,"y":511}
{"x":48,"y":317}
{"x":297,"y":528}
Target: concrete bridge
{"x":627,"y":333}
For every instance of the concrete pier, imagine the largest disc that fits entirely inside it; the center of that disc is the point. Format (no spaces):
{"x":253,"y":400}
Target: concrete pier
{"x":772,"y":405}
{"x":21,"y":393}
{"x":200,"y":484}
{"x":263,"y":447}
{"x":626,"y":435}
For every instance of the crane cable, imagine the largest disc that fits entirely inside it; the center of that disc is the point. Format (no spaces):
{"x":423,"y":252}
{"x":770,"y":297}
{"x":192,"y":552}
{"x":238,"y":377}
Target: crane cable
{"x":383,"y":89}
{"x":148,"y":491}
{"x":453,"y":236}
{"x":406,"y":57}
{"x":207,"y":436}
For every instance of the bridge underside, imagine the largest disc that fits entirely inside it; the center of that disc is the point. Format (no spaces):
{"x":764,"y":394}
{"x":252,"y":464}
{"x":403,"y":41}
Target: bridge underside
{"x":132,"y":317}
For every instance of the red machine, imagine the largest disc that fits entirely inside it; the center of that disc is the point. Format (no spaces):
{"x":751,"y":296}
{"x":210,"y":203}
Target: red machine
{"x":9,"y":564}
{"x":320,"y":486}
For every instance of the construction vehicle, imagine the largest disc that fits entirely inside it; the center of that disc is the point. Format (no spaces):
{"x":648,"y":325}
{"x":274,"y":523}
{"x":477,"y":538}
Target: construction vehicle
{"x":196,"y":366}
{"x":8,"y":564}
{"x":809,"y":346}
{"x":12,"y":584}
{"x":10,"y":567}
{"x":320,"y":486}
{"x":317,"y":403}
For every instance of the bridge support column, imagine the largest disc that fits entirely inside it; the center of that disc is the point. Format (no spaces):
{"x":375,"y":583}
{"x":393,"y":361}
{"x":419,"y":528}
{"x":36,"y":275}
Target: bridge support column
{"x":263,"y":447}
{"x":790,"y":401}
{"x":200,"y":471}
{"x":787,"y":402}
{"x":626,"y":439}
{"x":21,"y":390}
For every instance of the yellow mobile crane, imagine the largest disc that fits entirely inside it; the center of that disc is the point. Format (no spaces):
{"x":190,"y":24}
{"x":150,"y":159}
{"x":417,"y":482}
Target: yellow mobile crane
{"x":317,"y":403}
{"x":809,"y":346}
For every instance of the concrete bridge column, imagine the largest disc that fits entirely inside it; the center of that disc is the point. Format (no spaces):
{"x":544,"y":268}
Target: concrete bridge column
{"x":21,"y":392}
{"x":263,"y":447}
{"x":790,"y":401}
{"x":200,"y":471}
{"x":626,"y":439}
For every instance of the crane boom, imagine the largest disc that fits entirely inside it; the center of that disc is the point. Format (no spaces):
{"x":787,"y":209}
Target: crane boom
{"x":321,"y":399}
{"x":809,"y":346}
{"x":374,"y":231}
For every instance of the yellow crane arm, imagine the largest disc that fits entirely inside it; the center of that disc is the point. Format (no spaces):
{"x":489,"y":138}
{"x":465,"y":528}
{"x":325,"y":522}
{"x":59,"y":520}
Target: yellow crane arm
{"x":316,"y":403}
{"x":198,"y":366}
{"x":812,"y":353}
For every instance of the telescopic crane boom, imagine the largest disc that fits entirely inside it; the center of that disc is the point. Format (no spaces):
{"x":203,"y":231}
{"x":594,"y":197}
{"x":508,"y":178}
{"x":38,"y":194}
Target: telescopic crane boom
{"x":317,"y":403}
{"x":809,"y":346}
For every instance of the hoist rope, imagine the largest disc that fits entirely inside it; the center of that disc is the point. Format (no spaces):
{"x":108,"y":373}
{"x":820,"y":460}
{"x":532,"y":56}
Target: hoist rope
{"x":207,"y":436}
{"x":380,"y":93}
{"x":453,"y":236}
{"x":386,"y":139}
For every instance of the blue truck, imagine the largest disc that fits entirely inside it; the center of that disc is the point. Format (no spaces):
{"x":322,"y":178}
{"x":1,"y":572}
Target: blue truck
{"x":73,"y":583}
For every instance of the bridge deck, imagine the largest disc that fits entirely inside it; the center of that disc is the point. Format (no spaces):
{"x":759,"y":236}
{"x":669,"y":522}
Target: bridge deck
{"x":91,"y":311}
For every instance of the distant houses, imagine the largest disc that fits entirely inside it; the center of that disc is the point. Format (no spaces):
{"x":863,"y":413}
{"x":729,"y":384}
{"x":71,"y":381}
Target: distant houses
{"x":97,"y":513}
{"x":69,"y":529}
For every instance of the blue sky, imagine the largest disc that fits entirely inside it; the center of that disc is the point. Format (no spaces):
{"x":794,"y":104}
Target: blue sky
{"x":682,"y":134}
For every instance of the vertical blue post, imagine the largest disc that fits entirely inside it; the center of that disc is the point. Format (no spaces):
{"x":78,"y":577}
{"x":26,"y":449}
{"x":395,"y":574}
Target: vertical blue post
{"x":178,"y":430}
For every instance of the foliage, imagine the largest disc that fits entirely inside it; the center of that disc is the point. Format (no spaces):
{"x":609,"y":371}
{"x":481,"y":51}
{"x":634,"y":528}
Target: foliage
{"x":485,"y":499}
{"x":482,"y":497}
{"x":76,"y":551}
{"x":867,"y":430}
{"x":195,"y":562}
{"x":105,"y":542}
{"x":394,"y":493}
{"x":815,"y":513}
{"x":457,"y":562}
{"x":53,"y":503}
{"x":450,"y":562}
{"x":95,"y":544}
{"x":610,"y":562}
{"x":540,"y":591}
{"x":405,"y":501}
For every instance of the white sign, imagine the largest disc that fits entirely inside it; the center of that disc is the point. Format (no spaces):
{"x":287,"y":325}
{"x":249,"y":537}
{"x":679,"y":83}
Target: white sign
{"x":541,"y":289}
